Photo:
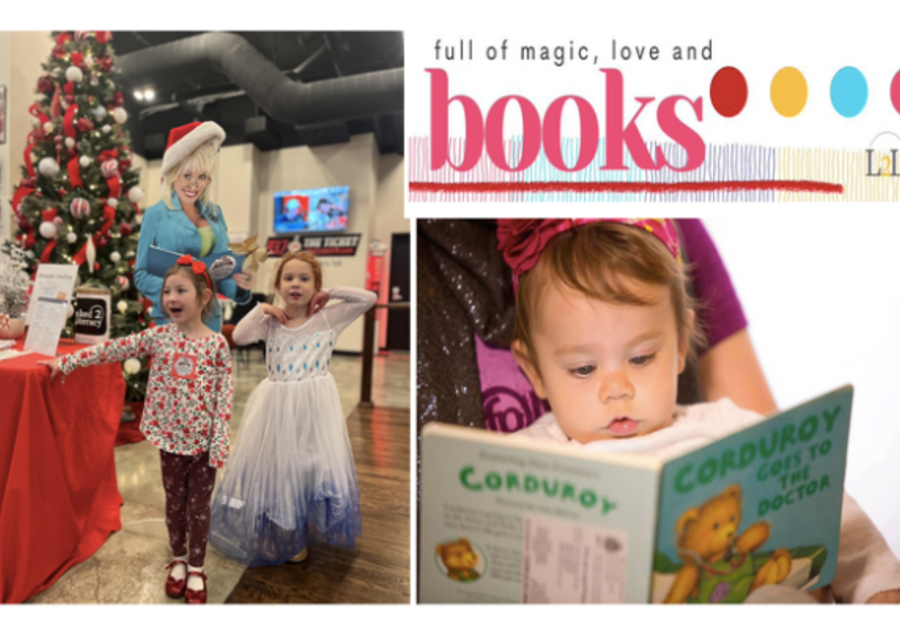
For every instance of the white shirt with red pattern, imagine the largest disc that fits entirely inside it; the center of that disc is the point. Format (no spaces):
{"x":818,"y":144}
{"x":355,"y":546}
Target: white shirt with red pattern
{"x":189,"y":394}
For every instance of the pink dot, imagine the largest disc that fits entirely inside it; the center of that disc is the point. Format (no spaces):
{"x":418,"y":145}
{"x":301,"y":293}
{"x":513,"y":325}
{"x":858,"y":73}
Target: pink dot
{"x":895,"y":92}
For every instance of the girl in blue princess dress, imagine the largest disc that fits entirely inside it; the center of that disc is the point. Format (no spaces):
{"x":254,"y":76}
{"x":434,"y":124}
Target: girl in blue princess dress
{"x":291,"y":479}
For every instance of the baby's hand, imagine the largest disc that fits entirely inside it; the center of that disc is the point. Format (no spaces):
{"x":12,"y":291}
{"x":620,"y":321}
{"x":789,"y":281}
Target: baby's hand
{"x":53,"y":364}
{"x":318,"y":302}
{"x":885,"y":597}
{"x":274,"y":311}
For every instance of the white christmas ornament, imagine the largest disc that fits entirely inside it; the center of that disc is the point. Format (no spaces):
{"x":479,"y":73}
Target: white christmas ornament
{"x":91,"y":253}
{"x":120,"y":115}
{"x":84,"y":161}
{"x":70,"y":143}
{"x":115,"y":257}
{"x":48,"y":127}
{"x":135,"y":194}
{"x":122,"y":306}
{"x":71,"y":237}
{"x":48,"y":229}
{"x":105,"y":128}
{"x":99,"y":113}
{"x":112,"y":202}
{"x":74,"y":74}
{"x":70,"y":310}
{"x":132,"y":366}
{"x":123,"y":282}
{"x":89,"y":61}
{"x":48,"y":167}
{"x":35,"y":121}
{"x":95,"y":81}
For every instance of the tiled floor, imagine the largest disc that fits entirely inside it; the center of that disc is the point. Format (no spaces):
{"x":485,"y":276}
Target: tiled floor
{"x":130,"y":566}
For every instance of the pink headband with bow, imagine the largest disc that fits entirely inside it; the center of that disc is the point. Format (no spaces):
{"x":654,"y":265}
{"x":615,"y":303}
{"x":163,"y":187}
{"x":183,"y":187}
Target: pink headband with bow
{"x":523,"y":240}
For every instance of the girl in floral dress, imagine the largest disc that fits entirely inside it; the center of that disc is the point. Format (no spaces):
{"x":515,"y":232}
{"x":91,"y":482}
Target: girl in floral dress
{"x":186,"y":414}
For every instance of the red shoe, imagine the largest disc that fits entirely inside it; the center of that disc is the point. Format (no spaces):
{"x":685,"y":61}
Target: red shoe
{"x":196,"y":597}
{"x":175,"y":588}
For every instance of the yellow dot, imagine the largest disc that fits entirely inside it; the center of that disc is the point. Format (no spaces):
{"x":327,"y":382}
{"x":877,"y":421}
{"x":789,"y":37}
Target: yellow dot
{"x":789,"y":92}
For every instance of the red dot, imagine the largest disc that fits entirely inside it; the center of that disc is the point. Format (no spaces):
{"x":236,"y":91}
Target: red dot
{"x":728,"y":92}
{"x":895,"y":92}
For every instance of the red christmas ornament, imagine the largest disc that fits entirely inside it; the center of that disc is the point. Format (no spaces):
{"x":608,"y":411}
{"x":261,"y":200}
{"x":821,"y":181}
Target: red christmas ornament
{"x":58,"y":52}
{"x":125,"y":229}
{"x":45,"y":83}
{"x":78,"y":60}
{"x":102,"y":242}
{"x":117,"y":100}
{"x":62,"y":38}
{"x":96,"y":266}
{"x":49,"y":214}
{"x":104,"y":63}
{"x":103,"y":36}
{"x":123,"y":282}
{"x":82,"y":35}
{"x":84,"y":125}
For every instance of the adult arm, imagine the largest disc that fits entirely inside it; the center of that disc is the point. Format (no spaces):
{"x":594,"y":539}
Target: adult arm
{"x":147,"y":283}
{"x":730,"y":369}
{"x":229,"y":287}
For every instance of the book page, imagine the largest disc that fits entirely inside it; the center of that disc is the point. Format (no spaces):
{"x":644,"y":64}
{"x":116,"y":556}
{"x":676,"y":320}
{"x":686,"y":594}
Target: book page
{"x":503,"y":521}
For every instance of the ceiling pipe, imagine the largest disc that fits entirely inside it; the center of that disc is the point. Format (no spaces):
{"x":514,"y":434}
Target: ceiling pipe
{"x":287,"y":101}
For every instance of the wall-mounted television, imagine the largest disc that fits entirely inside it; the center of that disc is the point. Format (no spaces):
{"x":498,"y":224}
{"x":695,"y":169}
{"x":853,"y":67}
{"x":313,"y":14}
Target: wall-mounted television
{"x":311,"y":210}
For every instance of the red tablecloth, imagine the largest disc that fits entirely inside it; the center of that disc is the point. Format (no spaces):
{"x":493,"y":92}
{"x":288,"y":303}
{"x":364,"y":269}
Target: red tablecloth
{"x":59,"y":500}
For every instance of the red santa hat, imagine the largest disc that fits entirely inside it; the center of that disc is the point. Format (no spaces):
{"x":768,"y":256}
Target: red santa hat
{"x":188,"y":138}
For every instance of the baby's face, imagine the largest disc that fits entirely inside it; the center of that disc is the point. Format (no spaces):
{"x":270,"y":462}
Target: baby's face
{"x":609,"y":371}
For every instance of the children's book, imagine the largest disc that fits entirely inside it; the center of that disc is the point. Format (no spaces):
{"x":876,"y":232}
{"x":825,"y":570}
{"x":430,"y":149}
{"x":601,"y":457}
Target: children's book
{"x":220,"y":266}
{"x":508,"y":520}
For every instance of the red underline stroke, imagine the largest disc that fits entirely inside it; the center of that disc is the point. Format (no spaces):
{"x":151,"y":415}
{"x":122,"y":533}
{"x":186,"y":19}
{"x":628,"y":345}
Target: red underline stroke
{"x":629,"y":187}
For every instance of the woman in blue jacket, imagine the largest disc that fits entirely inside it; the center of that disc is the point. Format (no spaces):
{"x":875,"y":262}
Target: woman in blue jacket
{"x":185,"y":221}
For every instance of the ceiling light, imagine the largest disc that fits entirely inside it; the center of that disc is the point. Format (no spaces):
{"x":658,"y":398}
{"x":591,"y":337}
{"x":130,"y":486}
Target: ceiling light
{"x":138,"y":95}
{"x":149,"y":94}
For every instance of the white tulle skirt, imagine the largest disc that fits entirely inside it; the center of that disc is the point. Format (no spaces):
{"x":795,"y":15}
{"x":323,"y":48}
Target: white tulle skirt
{"x":291,"y":479}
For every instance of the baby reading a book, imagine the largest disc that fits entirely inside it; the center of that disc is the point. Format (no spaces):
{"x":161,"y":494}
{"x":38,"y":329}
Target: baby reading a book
{"x":604,"y":326}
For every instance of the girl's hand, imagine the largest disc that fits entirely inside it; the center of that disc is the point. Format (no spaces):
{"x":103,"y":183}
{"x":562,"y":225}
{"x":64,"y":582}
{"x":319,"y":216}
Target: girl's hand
{"x":245,"y":280}
{"x":53,"y":364}
{"x":318,"y":302}
{"x":277,"y":313}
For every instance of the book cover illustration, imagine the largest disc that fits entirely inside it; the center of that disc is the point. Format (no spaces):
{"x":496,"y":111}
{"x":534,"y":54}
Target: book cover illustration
{"x":759,"y":507}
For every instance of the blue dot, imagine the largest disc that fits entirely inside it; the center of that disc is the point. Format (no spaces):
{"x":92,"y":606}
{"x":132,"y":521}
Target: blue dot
{"x":277,"y":349}
{"x":318,"y":345}
{"x":292,"y":348}
{"x":304,"y":346}
{"x":849,"y":92}
{"x":317,"y":364}
{"x":278,"y":367}
{"x":304,"y":366}
{"x":330,"y":344}
{"x":291,"y":367}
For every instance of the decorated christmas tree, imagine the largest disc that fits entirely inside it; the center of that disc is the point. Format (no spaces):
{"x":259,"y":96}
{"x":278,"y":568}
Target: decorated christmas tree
{"x":77,"y":202}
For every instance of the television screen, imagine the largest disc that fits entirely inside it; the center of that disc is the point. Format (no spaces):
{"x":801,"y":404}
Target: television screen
{"x":311,"y":210}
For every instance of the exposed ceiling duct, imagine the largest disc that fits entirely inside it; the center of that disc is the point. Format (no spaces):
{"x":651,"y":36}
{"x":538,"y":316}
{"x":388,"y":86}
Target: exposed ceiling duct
{"x":287,"y":101}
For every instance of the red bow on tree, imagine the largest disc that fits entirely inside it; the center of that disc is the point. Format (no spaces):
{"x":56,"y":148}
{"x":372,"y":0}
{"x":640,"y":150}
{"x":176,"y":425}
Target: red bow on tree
{"x":197,"y":266}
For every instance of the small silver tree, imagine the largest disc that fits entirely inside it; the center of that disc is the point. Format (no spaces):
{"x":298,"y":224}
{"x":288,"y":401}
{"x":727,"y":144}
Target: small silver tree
{"x":14,"y":284}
